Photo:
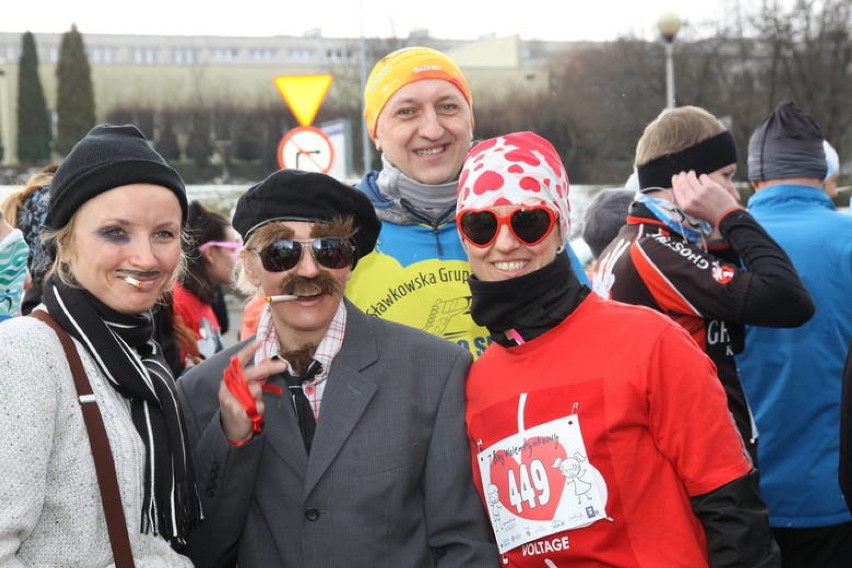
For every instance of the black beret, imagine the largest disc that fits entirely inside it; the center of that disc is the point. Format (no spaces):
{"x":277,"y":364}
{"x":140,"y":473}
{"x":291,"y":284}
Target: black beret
{"x":294,"y":195}
{"x":108,"y":157}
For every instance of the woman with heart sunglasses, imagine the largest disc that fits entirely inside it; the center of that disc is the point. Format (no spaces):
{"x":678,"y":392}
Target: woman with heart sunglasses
{"x":584,"y":416}
{"x":528,"y":224}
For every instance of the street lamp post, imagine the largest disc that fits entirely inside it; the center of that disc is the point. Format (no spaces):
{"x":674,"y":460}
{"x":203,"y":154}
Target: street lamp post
{"x":668,"y":25}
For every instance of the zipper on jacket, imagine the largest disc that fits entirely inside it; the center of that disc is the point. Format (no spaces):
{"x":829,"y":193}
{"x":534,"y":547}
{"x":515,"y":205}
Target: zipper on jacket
{"x":434,"y":224}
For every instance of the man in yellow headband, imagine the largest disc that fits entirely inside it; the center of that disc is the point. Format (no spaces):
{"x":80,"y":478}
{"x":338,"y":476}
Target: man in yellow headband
{"x":419,"y":112}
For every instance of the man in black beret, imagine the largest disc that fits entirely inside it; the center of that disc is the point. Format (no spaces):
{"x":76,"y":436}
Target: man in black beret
{"x":333,"y":438}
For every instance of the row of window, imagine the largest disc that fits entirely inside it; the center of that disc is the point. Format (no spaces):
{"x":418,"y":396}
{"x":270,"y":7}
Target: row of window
{"x":186,"y":55}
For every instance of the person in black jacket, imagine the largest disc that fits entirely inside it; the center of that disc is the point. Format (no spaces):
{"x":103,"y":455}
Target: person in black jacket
{"x":691,"y":251}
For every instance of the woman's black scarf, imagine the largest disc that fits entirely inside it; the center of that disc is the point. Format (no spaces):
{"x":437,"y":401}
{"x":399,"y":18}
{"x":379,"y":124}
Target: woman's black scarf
{"x":530,"y":304}
{"x":124,"y":349}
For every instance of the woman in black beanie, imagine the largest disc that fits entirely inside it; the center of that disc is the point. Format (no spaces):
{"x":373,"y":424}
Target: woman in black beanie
{"x":114,"y":227}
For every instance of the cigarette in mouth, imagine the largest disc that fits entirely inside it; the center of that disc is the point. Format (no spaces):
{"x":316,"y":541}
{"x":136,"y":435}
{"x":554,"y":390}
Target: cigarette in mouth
{"x":281,"y":298}
{"x":132,"y":281}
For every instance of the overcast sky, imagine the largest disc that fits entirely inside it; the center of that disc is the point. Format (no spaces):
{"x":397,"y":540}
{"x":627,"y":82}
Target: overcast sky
{"x":566,"y":20}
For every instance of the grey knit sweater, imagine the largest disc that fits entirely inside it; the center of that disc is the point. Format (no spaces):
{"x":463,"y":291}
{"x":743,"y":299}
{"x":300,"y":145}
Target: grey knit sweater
{"x":50,"y":508}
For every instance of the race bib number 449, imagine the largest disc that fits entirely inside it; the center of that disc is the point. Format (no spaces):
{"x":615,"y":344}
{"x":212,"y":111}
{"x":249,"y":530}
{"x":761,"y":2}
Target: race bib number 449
{"x":540,"y":482}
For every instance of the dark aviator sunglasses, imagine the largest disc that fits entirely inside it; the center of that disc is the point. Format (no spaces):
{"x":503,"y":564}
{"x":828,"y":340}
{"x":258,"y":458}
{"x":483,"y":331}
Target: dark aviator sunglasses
{"x":330,"y":252}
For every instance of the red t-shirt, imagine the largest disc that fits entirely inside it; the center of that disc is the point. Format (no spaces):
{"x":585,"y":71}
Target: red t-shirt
{"x":654,"y":421}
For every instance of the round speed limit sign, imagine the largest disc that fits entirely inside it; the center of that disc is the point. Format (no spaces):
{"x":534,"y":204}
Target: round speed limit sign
{"x":306,"y":148}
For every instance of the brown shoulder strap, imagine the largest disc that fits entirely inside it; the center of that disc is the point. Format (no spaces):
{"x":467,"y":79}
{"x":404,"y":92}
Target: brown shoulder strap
{"x":104,"y":464}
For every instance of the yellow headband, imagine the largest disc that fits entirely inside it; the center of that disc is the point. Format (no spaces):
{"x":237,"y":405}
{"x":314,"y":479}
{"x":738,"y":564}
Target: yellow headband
{"x":405,"y":66}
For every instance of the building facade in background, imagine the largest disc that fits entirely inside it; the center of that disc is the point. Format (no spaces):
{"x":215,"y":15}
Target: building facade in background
{"x":157,"y":71}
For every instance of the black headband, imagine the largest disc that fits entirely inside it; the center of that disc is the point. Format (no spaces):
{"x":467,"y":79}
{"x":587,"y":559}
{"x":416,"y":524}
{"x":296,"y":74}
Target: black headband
{"x":705,"y":157}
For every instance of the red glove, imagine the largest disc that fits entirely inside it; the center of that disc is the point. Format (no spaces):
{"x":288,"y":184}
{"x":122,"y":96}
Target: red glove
{"x":236,"y":383}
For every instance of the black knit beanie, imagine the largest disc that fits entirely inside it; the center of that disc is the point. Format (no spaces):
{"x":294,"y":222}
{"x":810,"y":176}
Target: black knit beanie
{"x":786,"y":144}
{"x":108,"y":157}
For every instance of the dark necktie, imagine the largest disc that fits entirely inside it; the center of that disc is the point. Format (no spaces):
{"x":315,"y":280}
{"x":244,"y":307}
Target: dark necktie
{"x":301,"y":404}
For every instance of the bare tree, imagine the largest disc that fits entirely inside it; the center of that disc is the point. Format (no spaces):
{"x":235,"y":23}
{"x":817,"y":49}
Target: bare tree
{"x":803,"y":53}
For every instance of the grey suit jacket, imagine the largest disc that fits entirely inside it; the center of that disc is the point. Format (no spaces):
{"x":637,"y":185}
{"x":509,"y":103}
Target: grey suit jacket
{"x":388,"y":479}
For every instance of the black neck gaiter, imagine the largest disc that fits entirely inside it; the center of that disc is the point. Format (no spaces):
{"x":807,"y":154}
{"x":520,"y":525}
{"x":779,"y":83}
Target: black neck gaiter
{"x":530,"y":304}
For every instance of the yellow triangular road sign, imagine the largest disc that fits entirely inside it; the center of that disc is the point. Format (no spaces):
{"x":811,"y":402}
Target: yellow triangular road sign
{"x":303,"y":94}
